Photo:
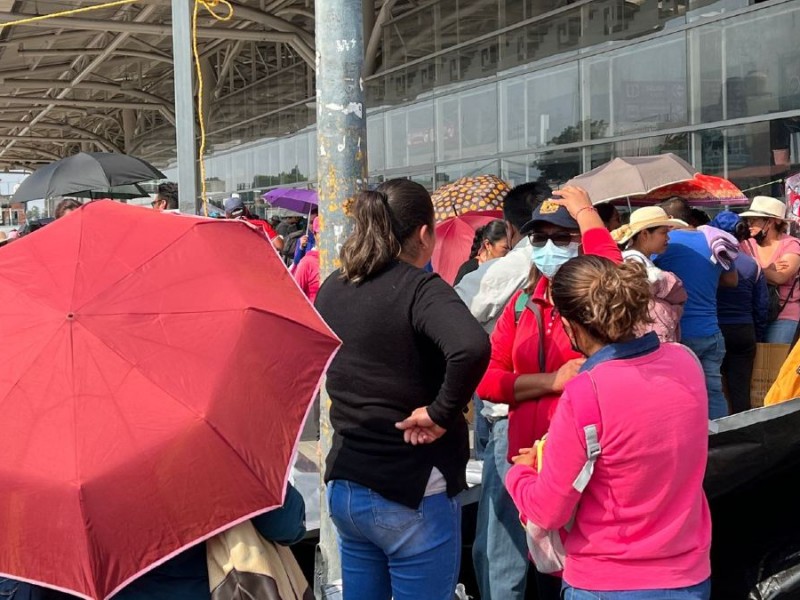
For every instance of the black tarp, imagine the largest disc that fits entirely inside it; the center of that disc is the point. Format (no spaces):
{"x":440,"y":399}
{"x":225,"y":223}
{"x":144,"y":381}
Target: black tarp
{"x":751,"y":482}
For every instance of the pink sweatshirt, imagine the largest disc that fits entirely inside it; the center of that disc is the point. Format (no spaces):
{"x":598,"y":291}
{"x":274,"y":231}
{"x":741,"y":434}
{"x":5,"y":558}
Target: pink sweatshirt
{"x":643,"y":521}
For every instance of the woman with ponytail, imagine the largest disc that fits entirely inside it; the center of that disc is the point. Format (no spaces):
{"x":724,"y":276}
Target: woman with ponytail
{"x":641,"y":527}
{"x":411,"y":357}
{"x":490,"y":242}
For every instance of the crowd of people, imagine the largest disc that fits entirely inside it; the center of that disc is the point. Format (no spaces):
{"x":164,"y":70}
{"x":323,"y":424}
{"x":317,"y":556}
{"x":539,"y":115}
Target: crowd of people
{"x":583,"y":316}
{"x":593,"y":352}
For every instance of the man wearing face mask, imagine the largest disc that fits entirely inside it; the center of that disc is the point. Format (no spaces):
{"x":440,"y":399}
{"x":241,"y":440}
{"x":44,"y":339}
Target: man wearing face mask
{"x":530,"y":365}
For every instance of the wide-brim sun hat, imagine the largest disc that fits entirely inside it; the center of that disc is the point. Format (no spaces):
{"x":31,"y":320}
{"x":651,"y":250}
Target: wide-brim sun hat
{"x":766,"y":207}
{"x":646,"y":218}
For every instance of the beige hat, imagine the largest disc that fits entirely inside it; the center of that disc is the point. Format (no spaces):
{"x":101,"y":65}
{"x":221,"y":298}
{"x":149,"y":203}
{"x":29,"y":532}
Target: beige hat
{"x":646,"y":218}
{"x":766,"y":207}
{"x":4,"y":238}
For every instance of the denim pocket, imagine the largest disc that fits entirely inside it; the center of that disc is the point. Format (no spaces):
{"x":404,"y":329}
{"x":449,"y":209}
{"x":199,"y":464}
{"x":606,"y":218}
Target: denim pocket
{"x":393,"y":515}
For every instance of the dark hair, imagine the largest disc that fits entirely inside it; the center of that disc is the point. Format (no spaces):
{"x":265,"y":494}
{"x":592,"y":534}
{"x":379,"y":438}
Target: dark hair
{"x":385,"y":221}
{"x":606,"y":211}
{"x":492,"y":232}
{"x":521,"y":201}
{"x":698,"y":217}
{"x":169,"y":193}
{"x":741,"y":231}
{"x":606,"y":299}
{"x":677,"y":208}
{"x":66,"y":205}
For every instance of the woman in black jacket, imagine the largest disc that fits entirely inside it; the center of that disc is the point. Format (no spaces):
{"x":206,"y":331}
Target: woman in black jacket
{"x":411,"y":357}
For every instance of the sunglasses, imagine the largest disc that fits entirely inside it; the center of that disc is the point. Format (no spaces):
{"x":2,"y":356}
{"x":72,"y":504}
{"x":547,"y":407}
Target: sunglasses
{"x":559,"y":238}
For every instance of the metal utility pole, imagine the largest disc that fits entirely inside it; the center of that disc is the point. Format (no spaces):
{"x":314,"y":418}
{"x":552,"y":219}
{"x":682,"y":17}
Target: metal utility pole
{"x":184,"y":104}
{"x":342,"y":171}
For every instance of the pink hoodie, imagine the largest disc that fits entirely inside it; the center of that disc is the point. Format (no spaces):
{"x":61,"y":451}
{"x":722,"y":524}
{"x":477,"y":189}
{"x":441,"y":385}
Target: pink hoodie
{"x":643,"y":521}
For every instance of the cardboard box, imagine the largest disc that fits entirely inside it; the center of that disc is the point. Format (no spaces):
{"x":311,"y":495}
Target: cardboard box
{"x":767,"y":365}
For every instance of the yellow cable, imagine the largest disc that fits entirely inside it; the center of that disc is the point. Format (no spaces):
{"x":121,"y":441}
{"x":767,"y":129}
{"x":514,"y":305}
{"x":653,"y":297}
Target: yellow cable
{"x":67,"y":13}
{"x":209,"y":5}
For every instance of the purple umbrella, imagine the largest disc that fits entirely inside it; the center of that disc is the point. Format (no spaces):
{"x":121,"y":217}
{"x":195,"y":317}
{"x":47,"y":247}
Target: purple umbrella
{"x":298,"y":200}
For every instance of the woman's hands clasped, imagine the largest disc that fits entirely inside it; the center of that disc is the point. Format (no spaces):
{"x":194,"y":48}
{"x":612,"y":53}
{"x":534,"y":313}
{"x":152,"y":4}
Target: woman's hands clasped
{"x":419,"y":428}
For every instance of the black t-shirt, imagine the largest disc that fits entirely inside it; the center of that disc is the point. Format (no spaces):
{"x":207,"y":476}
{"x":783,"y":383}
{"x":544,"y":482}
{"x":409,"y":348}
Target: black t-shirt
{"x":408,"y":341}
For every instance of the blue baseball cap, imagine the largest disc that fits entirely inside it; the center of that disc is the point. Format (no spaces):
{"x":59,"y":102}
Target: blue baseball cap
{"x":549,"y":212}
{"x":726,"y":221}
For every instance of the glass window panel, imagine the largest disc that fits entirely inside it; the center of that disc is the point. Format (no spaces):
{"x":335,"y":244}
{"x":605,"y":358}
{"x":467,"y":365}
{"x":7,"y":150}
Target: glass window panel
{"x":677,"y":144}
{"x":555,"y":167}
{"x":448,"y":134}
{"x":553,"y":106}
{"x":446,"y":24}
{"x":514,"y":171}
{"x":376,"y":151}
{"x":478,"y":122}
{"x":476,"y":18}
{"x":598,"y":90}
{"x":758,"y":153}
{"x":600,"y":154}
{"x":512,"y":103}
{"x":408,"y":38}
{"x":288,"y":160}
{"x":397,"y":136}
{"x":302,"y":157}
{"x":424,"y":179}
{"x":420,"y":134}
{"x":312,"y":155}
{"x":274,"y":163}
{"x":647,"y":87}
{"x":762,"y":70}
{"x":703,"y":9}
{"x":707,"y":74}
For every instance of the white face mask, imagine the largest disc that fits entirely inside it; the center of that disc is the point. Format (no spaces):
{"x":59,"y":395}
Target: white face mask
{"x":549,"y":258}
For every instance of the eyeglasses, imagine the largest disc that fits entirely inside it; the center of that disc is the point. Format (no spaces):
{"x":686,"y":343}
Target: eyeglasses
{"x":559,"y":238}
{"x":155,"y":203}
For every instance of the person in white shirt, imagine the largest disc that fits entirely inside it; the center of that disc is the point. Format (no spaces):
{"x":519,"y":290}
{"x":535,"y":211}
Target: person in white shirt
{"x":499,"y":552}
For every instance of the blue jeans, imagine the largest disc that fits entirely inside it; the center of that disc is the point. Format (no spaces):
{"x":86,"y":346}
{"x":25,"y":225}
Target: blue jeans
{"x":480,"y":426}
{"x":392,"y":551}
{"x":499,"y":553}
{"x":710,"y":351}
{"x":701,"y":591}
{"x":781,"y":331}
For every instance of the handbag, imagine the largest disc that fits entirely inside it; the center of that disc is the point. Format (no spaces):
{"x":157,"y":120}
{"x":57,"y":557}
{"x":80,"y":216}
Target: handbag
{"x":776,"y":305}
{"x":243,"y":565}
{"x":546,"y":546}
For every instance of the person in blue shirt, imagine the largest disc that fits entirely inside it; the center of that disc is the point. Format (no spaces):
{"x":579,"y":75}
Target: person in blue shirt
{"x":689,"y":257}
{"x":742,"y":313}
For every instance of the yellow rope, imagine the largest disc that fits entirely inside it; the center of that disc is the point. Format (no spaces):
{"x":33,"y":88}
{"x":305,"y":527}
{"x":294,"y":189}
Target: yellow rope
{"x":66,"y":13}
{"x":211,"y":6}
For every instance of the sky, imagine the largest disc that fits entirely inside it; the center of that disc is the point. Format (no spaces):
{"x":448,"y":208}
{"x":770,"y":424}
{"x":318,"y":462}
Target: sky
{"x":9,"y":183}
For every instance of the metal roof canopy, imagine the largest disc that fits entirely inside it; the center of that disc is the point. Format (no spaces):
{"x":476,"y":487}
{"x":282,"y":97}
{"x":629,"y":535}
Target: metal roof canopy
{"x":104,"y":81}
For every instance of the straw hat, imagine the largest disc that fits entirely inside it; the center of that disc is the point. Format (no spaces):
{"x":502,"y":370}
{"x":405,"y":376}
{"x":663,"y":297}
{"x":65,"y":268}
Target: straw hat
{"x":4,"y":238}
{"x":646,"y":218}
{"x":766,"y":207}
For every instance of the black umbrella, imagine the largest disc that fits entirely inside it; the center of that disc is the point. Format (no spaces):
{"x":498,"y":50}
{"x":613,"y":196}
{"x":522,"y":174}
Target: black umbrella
{"x":85,"y":171}
{"x":121,"y":192}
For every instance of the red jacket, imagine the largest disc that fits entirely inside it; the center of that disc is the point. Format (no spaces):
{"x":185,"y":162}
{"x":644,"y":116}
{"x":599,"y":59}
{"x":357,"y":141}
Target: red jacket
{"x":515,"y":352}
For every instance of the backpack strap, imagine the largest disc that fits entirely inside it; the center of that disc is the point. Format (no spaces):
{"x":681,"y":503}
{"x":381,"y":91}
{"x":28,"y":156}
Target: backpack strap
{"x":524,"y":300}
{"x":587,"y":416}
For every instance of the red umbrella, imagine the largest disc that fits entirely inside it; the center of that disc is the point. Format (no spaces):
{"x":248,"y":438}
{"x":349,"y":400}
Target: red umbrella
{"x":454,"y":239}
{"x":156,"y":372}
{"x":702,"y":190}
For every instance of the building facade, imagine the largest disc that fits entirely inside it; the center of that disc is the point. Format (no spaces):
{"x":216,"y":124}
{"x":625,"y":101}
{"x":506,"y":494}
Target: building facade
{"x":547,"y":89}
